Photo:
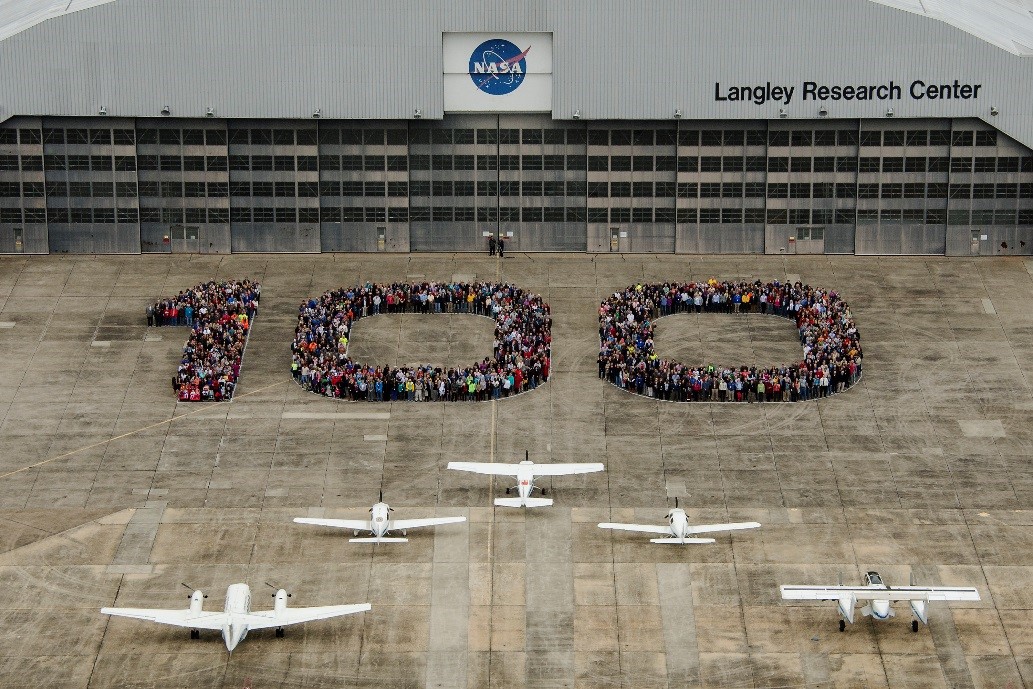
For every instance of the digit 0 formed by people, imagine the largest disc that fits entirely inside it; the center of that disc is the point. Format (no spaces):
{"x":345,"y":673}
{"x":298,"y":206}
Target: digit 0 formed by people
{"x":520,"y":361}
{"x":219,"y":315}
{"x":831,"y":343}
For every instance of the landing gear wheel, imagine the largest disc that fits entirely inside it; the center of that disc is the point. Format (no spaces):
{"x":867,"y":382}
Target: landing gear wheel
{"x":195,"y":633}
{"x":842,"y":625}
{"x":543,"y":491}
{"x":914,"y":626}
{"x":507,"y":491}
{"x":279,"y":633}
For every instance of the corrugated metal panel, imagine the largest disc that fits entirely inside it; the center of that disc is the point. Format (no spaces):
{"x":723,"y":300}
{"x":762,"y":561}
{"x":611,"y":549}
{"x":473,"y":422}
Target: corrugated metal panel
{"x":379,"y":60}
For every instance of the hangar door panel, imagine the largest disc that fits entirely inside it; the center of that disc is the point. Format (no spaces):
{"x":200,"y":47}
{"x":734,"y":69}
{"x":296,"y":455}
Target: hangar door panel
{"x":249,"y":238}
{"x":888,"y":239}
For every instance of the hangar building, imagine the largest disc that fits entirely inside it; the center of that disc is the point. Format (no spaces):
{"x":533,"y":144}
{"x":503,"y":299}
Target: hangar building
{"x":689,"y":126}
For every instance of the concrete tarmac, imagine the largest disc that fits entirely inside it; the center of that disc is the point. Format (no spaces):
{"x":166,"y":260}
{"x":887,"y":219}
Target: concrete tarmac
{"x":113,"y":493}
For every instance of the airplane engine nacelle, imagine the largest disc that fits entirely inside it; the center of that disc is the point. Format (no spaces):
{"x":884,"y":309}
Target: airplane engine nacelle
{"x":920,"y":610}
{"x":196,"y":601}
{"x":846,"y":607}
{"x":280,"y":604}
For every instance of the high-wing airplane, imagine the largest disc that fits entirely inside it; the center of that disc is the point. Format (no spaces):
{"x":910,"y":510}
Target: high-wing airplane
{"x":678,"y":529}
{"x":879,"y":596}
{"x":237,"y":618}
{"x":525,"y":473}
{"x":379,"y":524}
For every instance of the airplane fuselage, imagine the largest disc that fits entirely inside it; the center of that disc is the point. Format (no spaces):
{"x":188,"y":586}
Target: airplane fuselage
{"x":525,"y":480}
{"x":679,"y":523}
{"x":878,"y":609}
{"x":238,"y":605}
{"x":380,"y":519}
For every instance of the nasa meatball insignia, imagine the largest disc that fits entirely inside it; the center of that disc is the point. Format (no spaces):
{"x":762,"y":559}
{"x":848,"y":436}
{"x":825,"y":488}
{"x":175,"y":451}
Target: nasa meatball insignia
{"x":498,"y":66}
{"x":759,"y":94}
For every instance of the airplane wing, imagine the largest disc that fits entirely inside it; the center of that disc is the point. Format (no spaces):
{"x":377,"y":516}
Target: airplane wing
{"x":565,"y":469}
{"x":485,"y":468}
{"x":644,"y":528}
{"x":360,"y":524}
{"x":868,"y":593}
{"x":417,"y":523}
{"x":178,"y":618}
{"x":266,"y":620}
{"x":710,"y":528}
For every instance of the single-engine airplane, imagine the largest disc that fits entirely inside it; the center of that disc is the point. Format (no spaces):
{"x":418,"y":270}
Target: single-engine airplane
{"x":678,"y":529}
{"x":380,"y":523}
{"x":525,"y":473}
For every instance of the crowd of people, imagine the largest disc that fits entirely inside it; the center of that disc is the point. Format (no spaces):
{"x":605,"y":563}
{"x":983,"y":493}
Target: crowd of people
{"x":831,"y":344}
{"x":219,"y":316}
{"x":520,"y":359}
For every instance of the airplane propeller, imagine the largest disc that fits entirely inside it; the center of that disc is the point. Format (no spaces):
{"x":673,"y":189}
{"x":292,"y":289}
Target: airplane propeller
{"x":276,"y":588}
{"x":192,"y":590}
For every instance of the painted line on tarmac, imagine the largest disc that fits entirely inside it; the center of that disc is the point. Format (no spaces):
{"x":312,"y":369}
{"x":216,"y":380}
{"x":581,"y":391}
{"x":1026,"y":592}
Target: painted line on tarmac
{"x":353,"y":416}
{"x":206,"y":407}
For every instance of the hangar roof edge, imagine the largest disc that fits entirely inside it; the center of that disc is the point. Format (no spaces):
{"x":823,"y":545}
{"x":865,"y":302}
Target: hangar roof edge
{"x":18,"y":15}
{"x":1007,"y":24}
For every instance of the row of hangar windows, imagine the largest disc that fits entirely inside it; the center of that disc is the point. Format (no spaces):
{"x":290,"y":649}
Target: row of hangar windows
{"x":335,"y":214}
{"x":558,"y":136}
{"x":558,"y":162}
{"x":489,"y":189}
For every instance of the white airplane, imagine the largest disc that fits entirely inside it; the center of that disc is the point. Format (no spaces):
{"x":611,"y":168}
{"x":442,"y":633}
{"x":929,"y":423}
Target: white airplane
{"x":379,"y":524}
{"x":678,"y":529}
{"x":879,"y":596}
{"x":525,"y":473}
{"x":237,"y":618}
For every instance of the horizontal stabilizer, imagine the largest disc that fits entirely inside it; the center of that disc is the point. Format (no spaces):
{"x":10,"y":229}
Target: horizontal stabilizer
{"x":378,"y":540}
{"x":523,"y":502}
{"x":681,"y":540}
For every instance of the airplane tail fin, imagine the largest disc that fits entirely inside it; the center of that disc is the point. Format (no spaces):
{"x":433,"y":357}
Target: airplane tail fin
{"x":374,"y":539}
{"x":681,"y":540}
{"x":523,"y":502}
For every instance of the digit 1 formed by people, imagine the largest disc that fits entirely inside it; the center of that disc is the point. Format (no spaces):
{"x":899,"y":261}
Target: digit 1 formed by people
{"x":219,"y":315}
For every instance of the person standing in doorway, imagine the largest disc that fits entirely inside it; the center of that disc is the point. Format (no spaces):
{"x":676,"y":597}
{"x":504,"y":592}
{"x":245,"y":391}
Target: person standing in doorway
{"x":502,"y":246}
{"x":491,"y":245}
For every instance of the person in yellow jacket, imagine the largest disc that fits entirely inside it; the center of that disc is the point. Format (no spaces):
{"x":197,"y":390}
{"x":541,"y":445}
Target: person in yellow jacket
{"x":410,"y":389}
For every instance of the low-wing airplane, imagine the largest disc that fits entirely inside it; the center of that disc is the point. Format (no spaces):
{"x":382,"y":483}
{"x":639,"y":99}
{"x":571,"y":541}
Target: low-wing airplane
{"x":237,"y":618}
{"x":879,"y":596}
{"x":525,"y":473}
{"x":379,"y":524}
{"x":678,"y":529}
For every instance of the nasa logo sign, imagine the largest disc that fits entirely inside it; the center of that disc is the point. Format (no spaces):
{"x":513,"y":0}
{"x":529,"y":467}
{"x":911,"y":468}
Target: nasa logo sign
{"x":498,"y":66}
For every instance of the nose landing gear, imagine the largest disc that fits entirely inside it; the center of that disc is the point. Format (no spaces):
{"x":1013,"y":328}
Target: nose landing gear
{"x":914,"y":626}
{"x":279,"y":633}
{"x":195,"y":633}
{"x":842,"y":625}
